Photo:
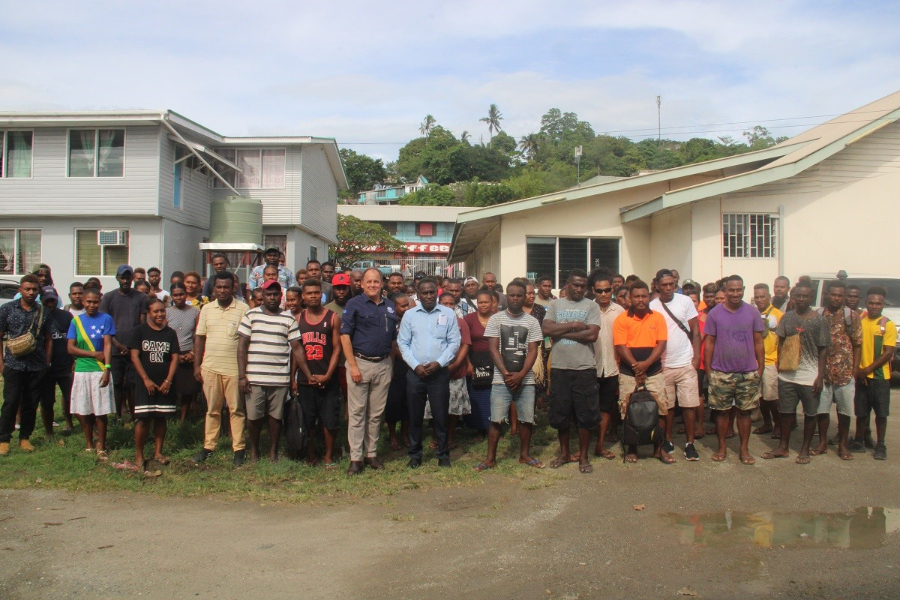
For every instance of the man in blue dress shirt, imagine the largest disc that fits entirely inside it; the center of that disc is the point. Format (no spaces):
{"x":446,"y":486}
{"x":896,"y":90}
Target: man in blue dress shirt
{"x":428,"y":340}
{"x":368,"y":330}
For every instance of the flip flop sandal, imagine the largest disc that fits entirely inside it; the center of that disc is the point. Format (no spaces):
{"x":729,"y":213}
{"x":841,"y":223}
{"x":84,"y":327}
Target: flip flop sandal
{"x":163,"y":460}
{"x":533,"y":463}
{"x":330,"y":466}
{"x":803,"y":460}
{"x":817,"y":452}
{"x":846,"y":456}
{"x":127,"y":466}
{"x":102,"y":455}
{"x":772,"y":455}
{"x":585,"y":469}
{"x":559,"y":461}
{"x":631,"y":458}
{"x":482,"y":466}
{"x":748,"y":460}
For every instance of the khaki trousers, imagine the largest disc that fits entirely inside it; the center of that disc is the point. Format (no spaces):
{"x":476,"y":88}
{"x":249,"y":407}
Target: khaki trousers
{"x":219,"y":390}
{"x":365,"y":406}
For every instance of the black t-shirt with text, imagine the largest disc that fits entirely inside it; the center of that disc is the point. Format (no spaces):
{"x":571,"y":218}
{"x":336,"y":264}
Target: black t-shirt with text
{"x":156,"y":349}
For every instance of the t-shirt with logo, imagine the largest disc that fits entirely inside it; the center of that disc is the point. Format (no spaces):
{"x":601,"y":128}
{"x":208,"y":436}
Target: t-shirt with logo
{"x":640,"y":334}
{"x":569,"y":354}
{"x":875,"y":336}
{"x":735,"y":351}
{"x":318,"y":342}
{"x":269,"y":354}
{"x":771,"y":316}
{"x":679,"y":347}
{"x":95,"y":327}
{"x":60,"y":360}
{"x":515,"y":334}
{"x":156,"y":349}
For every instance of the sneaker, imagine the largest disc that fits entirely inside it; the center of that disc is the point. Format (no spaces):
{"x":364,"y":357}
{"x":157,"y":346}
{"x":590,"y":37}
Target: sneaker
{"x":668,"y":447}
{"x":880,"y":452}
{"x":239,"y":458}
{"x":202,"y":456}
{"x":856,"y":446}
{"x":26,"y":446}
{"x":690,"y":452}
{"x":4,"y":448}
{"x":870,"y":443}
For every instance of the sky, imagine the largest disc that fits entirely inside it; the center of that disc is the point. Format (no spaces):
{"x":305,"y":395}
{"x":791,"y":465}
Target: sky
{"x":366,"y":73}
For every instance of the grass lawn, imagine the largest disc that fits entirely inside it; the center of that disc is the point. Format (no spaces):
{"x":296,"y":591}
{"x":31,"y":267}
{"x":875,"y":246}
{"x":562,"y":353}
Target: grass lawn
{"x":67,"y":466}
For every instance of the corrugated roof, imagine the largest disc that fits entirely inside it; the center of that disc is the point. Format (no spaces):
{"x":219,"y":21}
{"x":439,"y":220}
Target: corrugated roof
{"x":405,"y":214}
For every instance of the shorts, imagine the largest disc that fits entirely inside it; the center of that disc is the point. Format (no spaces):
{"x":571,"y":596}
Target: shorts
{"x":733,"y":389}
{"x":791,"y":394}
{"x":573,"y":393}
{"x":121,"y":371}
{"x":655,"y":384}
{"x":266,"y":400}
{"x":842,"y":395}
{"x":873,"y":397}
{"x":88,"y":398}
{"x":681,"y":383}
{"x":48,"y":396}
{"x":769,"y":387}
{"x":320,"y":405}
{"x":608,"y":393}
{"x":502,"y":397}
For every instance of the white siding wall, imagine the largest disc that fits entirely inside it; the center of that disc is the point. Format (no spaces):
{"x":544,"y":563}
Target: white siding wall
{"x":181,"y":250}
{"x":280,"y":206}
{"x":670,"y":242}
{"x":486,"y":257}
{"x":319,"y":205}
{"x":196,"y":189}
{"x":50,"y":192}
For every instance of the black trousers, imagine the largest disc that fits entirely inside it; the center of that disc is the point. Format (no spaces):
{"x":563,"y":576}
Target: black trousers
{"x":20,"y":388}
{"x":434,"y":389}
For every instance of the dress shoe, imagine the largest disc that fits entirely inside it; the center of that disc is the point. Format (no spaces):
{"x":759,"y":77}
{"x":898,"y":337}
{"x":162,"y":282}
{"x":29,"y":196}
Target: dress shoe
{"x":414,"y":463}
{"x":374,"y":463}
{"x":26,"y":446}
{"x":239,"y":457}
{"x":444,"y":462}
{"x":356,"y":467}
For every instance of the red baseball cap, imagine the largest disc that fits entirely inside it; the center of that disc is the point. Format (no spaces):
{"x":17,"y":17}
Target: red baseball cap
{"x":271,"y":283}
{"x":340,"y":279}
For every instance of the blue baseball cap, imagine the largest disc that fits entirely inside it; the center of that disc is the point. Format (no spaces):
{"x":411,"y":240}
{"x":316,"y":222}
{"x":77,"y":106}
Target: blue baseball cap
{"x":124,"y":269}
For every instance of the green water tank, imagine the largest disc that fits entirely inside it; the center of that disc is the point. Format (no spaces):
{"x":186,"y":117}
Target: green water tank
{"x":235,"y":220}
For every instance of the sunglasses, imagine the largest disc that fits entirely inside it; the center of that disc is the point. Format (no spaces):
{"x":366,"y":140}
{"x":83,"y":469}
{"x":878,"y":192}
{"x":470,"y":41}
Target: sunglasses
{"x":603,"y":290}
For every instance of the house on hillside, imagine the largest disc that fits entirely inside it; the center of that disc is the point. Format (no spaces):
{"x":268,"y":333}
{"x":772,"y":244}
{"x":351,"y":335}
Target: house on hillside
{"x":391,"y":194}
{"x":806,"y":205}
{"x":87,"y":191}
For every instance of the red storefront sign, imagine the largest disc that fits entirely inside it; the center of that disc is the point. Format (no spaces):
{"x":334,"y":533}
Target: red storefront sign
{"x":419,"y":248}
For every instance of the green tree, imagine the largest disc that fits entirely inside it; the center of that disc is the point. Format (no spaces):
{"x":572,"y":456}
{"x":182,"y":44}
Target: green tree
{"x":529,"y":145}
{"x":492,"y":119}
{"x":432,"y":195}
{"x":357,"y":239}
{"x":464,"y":137}
{"x":362,"y":171}
{"x":426,"y":126}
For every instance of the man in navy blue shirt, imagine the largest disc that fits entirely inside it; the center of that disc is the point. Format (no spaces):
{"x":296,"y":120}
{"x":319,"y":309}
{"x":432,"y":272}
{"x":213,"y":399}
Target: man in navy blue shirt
{"x":428,"y":340}
{"x":368,"y":329}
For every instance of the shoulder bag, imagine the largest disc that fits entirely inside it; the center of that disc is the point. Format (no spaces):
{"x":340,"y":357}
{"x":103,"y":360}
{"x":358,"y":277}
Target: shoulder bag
{"x":26,"y":343}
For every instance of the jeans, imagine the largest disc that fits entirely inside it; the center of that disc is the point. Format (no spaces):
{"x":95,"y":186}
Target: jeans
{"x":434,"y":389}
{"x":20,"y":388}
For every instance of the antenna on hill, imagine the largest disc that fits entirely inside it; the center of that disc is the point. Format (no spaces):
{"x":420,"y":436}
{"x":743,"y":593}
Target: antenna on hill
{"x":658,"y":119}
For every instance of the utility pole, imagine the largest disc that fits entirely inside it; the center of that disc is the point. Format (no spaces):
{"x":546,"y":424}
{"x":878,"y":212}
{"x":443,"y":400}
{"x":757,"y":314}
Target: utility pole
{"x":658,"y":119}
{"x":578,"y":162}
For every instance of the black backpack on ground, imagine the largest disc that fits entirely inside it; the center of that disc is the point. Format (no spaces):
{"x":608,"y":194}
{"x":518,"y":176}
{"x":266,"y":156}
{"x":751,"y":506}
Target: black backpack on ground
{"x":294,"y":429}
{"x":641,"y":423}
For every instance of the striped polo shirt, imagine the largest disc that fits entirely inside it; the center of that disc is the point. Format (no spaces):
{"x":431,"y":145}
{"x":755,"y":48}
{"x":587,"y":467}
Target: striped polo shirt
{"x":269,"y":354}
{"x":220,"y":327}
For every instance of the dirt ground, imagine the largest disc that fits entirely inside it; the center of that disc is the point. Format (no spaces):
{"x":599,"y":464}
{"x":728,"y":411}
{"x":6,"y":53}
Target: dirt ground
{"x":562,"y":535}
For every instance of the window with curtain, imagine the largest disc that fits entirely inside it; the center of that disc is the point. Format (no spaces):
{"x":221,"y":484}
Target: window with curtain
{"x":261,"y":168}
{"x":17,"y":152}
{"x":93,"y":260}
{"x":97,"y":153}
{"x":20,"y":250}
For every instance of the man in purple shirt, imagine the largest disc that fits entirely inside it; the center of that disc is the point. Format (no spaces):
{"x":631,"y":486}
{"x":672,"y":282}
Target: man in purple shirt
{"x":735,"y":358}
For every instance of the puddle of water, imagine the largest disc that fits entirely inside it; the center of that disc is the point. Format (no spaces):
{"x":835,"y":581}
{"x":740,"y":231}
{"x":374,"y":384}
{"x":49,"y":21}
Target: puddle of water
{"x":865,"y":527}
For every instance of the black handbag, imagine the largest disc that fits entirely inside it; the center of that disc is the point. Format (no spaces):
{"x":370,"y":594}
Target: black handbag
{"x":294,"y":429}
{"x":483,"y":365}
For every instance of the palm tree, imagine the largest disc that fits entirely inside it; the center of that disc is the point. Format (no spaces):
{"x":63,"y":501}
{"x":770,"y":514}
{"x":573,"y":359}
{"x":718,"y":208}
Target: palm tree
{"x":427,"y":125}
{"x":493,"y":120}
{"x":529,"y":145}
{"x":464,"y":136}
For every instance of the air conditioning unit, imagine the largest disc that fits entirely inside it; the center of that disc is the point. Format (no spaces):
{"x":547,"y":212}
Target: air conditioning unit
{"x":112,"y":237}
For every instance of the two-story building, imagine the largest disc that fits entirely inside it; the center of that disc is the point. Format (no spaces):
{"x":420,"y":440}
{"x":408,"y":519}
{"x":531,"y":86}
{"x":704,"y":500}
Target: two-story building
{"x":87,"y":191}
{"x":391,"y":194}
{"x":426,"y":231}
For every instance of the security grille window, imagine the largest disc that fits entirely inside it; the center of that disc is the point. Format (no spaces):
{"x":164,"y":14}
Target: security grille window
{"x":100,"y":252}
{"x":557,"y":256}
{"x":16,"y":153}
{"x":749,"y":235}
{"x":260,"y":168}
{"x":97,"y":153}
{"x":20,"y":250}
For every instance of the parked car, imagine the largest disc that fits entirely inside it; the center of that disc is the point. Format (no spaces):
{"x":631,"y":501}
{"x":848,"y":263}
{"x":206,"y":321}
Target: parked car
{"x":8,"y":290}
{"x":864,"y":282}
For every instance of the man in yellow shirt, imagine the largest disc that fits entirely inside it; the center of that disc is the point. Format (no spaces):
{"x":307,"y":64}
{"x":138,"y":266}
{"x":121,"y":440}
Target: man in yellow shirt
{"x":769,"y":388}
{"x":873,"y":380}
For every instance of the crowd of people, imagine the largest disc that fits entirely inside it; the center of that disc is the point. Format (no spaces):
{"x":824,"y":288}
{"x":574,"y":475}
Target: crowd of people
{"x":388,"y":351}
